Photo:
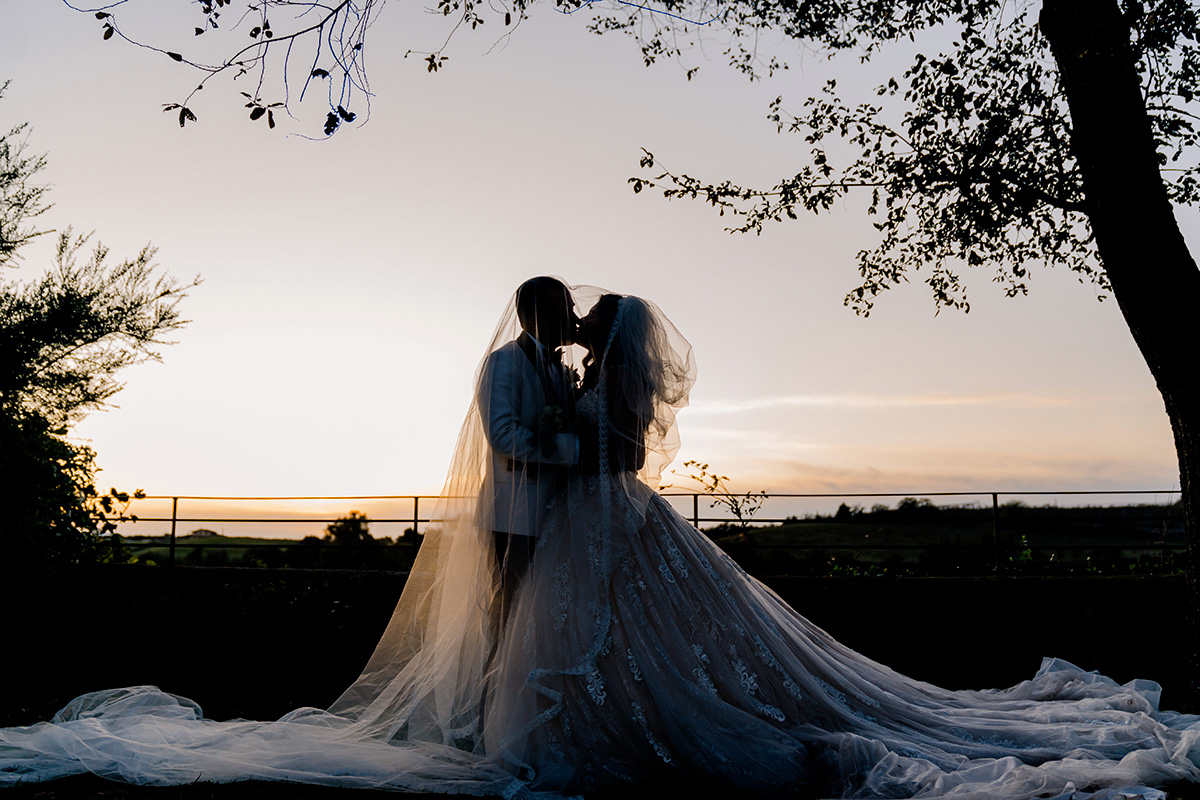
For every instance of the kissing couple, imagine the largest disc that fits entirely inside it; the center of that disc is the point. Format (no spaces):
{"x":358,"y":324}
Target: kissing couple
{"x":527,"y":399}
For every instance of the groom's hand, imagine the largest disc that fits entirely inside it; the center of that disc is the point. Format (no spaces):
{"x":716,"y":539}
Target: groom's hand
{"x":551,"y":422}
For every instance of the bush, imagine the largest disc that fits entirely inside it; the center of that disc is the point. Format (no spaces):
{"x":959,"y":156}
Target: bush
{"x":63,"y":338}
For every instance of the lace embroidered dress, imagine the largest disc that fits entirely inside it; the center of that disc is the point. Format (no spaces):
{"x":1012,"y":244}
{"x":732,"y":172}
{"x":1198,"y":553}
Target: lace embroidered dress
{"x":635,"y":653}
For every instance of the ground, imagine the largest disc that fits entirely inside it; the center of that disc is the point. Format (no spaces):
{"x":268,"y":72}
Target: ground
{"x":88,"y":787}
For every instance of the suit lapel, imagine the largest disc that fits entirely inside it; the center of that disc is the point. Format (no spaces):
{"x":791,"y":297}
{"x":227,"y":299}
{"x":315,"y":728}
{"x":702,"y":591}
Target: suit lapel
{"x":541,"y":367}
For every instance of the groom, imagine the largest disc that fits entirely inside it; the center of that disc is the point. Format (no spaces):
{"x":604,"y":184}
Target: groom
{"x":526,"y":401}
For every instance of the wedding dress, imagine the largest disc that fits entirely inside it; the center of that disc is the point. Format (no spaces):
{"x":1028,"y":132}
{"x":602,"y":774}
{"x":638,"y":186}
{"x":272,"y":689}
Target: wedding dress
{"x":635,"y":653}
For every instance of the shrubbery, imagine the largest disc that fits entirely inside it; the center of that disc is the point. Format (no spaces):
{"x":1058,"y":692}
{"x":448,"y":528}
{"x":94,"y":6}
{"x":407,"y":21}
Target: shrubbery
{"x":63,"y":338}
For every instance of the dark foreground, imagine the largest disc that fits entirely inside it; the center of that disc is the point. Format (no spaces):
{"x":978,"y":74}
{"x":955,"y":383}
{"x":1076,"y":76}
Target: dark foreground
{"x":92,"y":788}
{"x":258,"y":643}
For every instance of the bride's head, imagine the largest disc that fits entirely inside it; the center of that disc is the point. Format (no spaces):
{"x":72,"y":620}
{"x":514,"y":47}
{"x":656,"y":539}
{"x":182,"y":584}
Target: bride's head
{"x":626,"y":342}
{"x":596,"y":327}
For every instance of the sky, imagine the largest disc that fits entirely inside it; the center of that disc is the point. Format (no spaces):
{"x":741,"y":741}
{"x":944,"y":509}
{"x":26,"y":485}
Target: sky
{"x":350,"y":285}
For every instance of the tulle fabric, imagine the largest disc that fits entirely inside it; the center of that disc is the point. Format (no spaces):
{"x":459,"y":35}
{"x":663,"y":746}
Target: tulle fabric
{"x":146,"y":736}
{"x":635,"y":653}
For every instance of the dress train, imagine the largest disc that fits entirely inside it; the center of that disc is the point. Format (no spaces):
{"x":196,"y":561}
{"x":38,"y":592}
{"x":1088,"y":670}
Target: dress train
{"x":651,"y":656}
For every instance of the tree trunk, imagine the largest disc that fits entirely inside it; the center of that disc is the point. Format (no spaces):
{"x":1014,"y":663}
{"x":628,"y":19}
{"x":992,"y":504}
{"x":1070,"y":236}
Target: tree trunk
{"x":1154,"y":278}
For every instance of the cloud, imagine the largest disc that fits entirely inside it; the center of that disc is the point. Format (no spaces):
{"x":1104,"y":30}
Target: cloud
{"x":947,"y":471}
{"x":875,"y":401}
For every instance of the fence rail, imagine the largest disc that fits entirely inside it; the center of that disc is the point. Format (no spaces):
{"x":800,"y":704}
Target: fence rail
{"x":415,"y":520}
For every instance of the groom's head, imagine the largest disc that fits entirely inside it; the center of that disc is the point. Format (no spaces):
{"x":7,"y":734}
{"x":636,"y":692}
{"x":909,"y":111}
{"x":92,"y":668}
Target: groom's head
{"x":546,"y":311}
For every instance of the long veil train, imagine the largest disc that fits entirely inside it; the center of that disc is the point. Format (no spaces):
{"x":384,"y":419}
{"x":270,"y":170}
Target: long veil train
{"x":412,"y":720}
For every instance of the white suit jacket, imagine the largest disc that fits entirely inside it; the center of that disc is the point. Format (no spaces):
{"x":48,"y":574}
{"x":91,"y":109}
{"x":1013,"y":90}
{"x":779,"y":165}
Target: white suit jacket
{"x":520,"y":480}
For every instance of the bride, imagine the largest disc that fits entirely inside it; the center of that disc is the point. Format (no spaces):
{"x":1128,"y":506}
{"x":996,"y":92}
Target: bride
{"x":632,"y":652}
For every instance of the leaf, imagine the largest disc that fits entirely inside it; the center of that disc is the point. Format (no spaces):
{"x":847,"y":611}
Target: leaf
{"x":507,"y":17}
{"x":257,"y":112}
{"x":348,"y":116}
{"x":199,"y":31}
{"x":185,"y":115}
{"x":271,"y":119}
{"x":175,"y":56}
{"x":102,"y":15}
{"x":108,"y":32}
{"x":254,"y":32}
{"x":320,"y":73}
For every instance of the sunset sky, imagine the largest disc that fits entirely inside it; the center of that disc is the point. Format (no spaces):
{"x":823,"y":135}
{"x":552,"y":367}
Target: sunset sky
{"x":350,"y":285}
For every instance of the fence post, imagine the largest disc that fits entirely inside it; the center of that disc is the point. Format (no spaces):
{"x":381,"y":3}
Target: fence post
{"x":174,"y":515}
{"x":996,"y":531}
{"x":696,"y":510}
{"x":416,"y":516}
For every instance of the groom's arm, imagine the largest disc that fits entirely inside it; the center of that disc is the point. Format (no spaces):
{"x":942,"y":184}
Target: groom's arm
{"x":500,"y":395}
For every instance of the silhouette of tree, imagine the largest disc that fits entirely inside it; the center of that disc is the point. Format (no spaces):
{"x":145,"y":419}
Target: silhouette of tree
{"x":353,"y":544}
{"x":1057,"y":133}
{"x":349,"y":530}
{"x":62,"y":340}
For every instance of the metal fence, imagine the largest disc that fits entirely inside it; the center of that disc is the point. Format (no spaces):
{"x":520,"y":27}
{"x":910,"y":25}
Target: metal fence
{"x":977,"y":503}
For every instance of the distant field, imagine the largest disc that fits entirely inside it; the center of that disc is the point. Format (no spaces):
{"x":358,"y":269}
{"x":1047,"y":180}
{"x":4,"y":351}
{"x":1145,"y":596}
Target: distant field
{"x":933,"y":540}
{"x":922,"y":539}
{"x":157,"y":548}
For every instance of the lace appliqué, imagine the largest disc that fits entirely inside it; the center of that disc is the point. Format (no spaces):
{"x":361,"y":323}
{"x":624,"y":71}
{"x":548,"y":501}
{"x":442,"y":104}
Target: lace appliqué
{"x":562,"y":576}
{"x":640,"y":716}
{"x":749,"y":681}
{"x":595,"y":686}
{"x":990,"y":741}
{"x":633,"y":667}
{"x":840,"y":698}
{"x":677,"y":561}
{"x":700,"y":672}
{"x":771,"y":661}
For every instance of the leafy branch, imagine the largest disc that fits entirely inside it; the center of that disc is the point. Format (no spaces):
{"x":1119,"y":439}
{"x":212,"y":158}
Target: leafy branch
{"x":743,"y":506}
{"x":977,"y":171}
{"x":336,"y":37}
{"x":65,"y":336}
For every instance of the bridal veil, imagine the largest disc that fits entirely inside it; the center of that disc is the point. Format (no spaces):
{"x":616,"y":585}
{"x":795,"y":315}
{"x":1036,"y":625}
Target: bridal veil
{"x":426,"y":679}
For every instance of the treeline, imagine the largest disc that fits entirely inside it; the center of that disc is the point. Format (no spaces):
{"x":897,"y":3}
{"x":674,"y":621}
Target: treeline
{"x":346,"y":544}
{"x":920,"y":538}
{"x":914,"y":538}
